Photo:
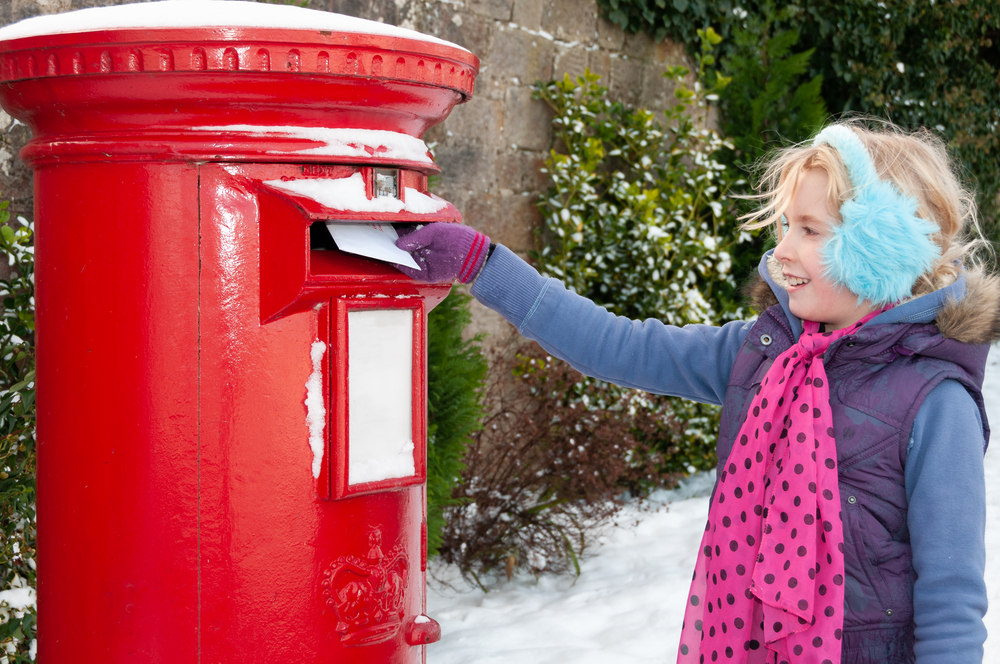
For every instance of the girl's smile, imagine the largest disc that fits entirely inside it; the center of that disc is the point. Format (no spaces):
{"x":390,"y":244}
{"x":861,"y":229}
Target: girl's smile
{"x":809,"y":218}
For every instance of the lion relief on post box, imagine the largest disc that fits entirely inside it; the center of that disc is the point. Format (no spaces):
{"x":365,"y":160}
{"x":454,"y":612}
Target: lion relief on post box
{"x":366,"y":594}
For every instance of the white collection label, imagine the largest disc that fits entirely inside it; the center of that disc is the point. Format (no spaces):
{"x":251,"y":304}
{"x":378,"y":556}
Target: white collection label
{"x":380,"y":395}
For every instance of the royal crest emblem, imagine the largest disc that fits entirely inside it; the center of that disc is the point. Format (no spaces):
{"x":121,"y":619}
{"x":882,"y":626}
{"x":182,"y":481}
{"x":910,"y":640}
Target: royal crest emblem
{"x":366,"y":594}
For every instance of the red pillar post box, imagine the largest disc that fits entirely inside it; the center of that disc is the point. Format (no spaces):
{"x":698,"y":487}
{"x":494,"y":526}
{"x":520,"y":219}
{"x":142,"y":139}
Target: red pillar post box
{"x":231,"y":413}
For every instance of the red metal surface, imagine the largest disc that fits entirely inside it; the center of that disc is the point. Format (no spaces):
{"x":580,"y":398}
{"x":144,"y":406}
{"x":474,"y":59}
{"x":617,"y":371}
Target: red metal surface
{"x":177,"y":302}
{"x":144,"y":90}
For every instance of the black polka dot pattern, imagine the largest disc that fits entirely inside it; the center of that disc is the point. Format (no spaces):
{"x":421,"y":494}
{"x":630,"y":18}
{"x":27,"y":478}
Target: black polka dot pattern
{"x":772,"y":563}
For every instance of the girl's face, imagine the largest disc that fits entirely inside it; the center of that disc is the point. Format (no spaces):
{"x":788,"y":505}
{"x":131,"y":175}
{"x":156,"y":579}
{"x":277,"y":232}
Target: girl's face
{"x":810,"y":216}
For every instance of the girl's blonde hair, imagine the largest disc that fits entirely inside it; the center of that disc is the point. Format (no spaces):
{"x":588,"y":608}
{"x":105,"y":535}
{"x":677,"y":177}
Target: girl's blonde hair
{"x":917,"y":163}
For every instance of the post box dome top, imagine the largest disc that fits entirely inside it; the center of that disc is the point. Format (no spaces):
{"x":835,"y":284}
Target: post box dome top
{"x":225,"y":80}
{"x":205,"y":14}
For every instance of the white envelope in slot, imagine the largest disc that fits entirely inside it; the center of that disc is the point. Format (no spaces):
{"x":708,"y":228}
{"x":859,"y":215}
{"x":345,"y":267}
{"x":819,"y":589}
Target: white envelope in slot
{"x":373,"y":240}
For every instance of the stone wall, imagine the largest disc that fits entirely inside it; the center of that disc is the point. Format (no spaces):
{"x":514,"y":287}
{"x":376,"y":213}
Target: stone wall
{"x":492,"y":148}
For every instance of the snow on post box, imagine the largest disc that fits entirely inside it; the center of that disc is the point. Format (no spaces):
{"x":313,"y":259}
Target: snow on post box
{"x":231,"y":399}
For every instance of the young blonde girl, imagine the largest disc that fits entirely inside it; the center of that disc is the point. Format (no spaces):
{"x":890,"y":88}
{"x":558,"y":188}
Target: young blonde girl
{"x":847,"y":521}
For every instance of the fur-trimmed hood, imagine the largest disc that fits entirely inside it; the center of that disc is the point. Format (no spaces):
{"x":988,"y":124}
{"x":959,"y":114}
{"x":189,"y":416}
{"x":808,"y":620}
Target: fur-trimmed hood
{"x":967,"y":310}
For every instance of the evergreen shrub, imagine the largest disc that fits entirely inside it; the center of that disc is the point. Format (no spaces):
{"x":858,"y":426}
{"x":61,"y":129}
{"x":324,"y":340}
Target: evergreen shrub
{"x":456,"y":369}
{"x":638,"y":216}
{"x":639,"y":219}
{"x":919,"y":64}
{"x":17,"y":444}
{"x":772,"y":100}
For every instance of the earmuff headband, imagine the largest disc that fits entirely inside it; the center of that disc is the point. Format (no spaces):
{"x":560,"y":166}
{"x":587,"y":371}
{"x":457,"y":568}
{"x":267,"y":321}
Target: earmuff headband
{"x":881,"y":247}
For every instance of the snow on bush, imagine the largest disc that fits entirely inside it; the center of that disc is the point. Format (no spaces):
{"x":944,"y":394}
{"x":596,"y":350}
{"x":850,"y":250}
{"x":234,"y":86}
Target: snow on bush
{"x":17,"y":444}
{"x":639,"y":218}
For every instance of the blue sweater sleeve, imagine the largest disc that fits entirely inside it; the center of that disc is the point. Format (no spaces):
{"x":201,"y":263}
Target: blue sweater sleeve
{"x":693,"y":361}
{"x":946,"y":491}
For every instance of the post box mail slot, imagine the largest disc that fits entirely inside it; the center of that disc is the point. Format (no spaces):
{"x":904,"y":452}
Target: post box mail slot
{"x":376,"y":429}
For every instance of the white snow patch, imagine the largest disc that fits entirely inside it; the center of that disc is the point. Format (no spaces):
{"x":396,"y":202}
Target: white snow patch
{"x":316,"y":405}
{"x":18,"y":599}
{"x":421,"y":619}
{"x":991,"y":395}
{"x":698,"y":485}
{"x":205,"y":13}
{"x":349,"y":194}
{"x":626,"y":607}
{"x":341,"y":142}
{"x":339,"y":193}
{"x":419,"y":203}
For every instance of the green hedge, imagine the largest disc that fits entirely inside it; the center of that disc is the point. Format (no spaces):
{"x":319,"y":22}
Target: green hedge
{"x":639,"y":218}
{"x":17,"y":442}
{"x":456,"y":370}
{"x":917,"y":63}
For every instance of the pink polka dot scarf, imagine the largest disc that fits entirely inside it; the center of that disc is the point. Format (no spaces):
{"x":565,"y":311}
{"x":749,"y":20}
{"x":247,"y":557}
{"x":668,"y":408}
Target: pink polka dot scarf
{"x":769,"y":581}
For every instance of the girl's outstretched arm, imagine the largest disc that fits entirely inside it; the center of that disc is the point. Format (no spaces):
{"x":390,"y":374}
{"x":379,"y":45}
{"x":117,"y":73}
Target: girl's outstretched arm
{"x":693,"y":362}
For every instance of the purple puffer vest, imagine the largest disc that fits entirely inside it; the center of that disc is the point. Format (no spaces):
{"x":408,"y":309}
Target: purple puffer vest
{"x":879,"y":378}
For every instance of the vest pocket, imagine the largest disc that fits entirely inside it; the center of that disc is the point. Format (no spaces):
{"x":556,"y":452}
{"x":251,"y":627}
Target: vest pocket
{"x":858,"y":545}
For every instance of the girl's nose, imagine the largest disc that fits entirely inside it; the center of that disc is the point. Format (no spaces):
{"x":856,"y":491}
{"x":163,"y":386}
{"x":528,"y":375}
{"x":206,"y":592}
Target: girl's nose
{"x":783,"y":251}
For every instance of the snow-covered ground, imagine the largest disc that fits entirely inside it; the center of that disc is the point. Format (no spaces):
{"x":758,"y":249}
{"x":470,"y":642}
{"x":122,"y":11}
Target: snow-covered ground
{"x":628,"y":603}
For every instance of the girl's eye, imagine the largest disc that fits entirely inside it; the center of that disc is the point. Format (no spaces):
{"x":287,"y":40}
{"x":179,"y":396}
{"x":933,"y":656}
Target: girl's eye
{"x":809,"y":231}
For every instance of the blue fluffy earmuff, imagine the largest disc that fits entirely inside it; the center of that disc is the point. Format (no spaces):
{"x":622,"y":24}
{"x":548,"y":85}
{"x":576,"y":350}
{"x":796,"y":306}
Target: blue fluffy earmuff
{"x":881,"y":246}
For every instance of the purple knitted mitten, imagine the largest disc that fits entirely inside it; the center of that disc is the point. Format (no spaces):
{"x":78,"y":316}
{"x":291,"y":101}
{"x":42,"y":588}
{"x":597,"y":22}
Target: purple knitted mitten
{"x":444,"y":251}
